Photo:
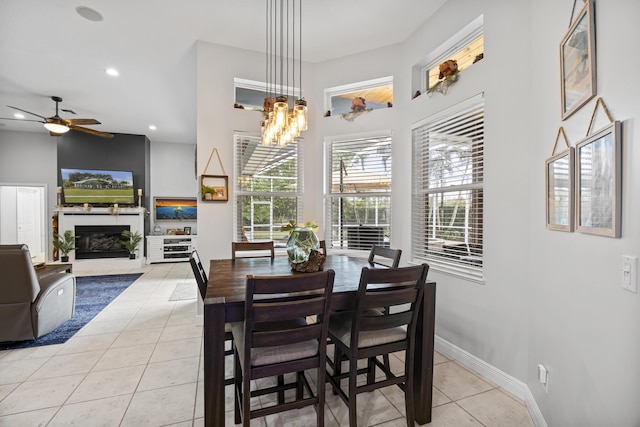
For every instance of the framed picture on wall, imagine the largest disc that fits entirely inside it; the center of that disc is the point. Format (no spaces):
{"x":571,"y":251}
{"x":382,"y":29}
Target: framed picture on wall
{"x":175,"y":208}
{"x":578,"y":62}
{"x":214,"y":188}
{"x":598,"y":182}
{"x":560,"y":191}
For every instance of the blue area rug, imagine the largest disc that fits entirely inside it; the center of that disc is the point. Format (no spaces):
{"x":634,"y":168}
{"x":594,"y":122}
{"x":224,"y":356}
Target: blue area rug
{"x":93,"y":293}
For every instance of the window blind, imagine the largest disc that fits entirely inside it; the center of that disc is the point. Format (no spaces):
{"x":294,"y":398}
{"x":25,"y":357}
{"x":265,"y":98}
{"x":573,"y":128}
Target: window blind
{"x":268,"y":188}
{"x":358,"y":195}
{"x":448,"y":201}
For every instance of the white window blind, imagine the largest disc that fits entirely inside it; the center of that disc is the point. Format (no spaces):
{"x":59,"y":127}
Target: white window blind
{"x":358,"y":197}
{"x":268,"y":189}
{"x":448,"y":169}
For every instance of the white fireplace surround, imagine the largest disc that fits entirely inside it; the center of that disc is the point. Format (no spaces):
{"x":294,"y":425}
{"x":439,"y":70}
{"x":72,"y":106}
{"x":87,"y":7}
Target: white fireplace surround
{"x":70,"y":217}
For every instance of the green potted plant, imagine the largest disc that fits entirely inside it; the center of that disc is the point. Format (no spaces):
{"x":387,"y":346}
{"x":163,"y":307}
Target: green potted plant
{"x":64,"y":244}
{"x":131,"y":242}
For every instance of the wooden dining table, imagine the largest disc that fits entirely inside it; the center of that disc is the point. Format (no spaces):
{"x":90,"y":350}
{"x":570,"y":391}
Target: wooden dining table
{"x":224,"y":302}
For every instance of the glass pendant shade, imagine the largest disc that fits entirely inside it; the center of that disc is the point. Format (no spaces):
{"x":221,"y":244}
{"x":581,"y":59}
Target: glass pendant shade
{"x":300,"y":109}
{"x":56,"y":127}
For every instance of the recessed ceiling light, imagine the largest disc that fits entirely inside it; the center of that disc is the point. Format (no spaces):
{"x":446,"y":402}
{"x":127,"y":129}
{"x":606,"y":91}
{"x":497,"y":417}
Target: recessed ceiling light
{"x":152,"y":127}
{"x":88,"y":13}
{"x":112,"y":72}
{"x":18,"y":116}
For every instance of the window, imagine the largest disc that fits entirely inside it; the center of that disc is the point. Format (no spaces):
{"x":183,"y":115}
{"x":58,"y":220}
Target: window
{"x":268,"y":189}
{"x":250,"y":94}
{"x":358,"y":195}
{"x":377,"y":93}
{"x":466,"y":47}
{"x":470,"y":53}
{"x":448,"y":169}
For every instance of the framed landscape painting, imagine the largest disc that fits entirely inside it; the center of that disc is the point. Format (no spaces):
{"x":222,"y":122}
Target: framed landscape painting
{"x":175,"y":209}
{"x":578,"y":62}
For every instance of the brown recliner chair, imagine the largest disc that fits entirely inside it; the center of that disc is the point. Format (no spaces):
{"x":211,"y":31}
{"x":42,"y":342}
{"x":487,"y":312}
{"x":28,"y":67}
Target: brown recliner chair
{"x":30,"y":308}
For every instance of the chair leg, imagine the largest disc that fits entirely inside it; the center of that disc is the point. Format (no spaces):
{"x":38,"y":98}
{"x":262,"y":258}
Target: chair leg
{"x":320,"y":390}
{"x":299,"y":386}
{"x":371,"y":371}
{"x":237,"y":388}
{"x":385,"y":361}
{"x":281,"y":392}
{"x":353,"y":379}
{"x":337,"y":366}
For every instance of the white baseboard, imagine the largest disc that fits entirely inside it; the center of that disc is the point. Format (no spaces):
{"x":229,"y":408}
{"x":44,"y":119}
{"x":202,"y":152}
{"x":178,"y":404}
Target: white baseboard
{"x":493,"y":374}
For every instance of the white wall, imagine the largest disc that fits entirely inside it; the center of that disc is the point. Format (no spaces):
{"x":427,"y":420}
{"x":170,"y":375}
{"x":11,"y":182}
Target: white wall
{"x":173,"y":175}
{"x":30,"y":158}
{"x":582,"y":325}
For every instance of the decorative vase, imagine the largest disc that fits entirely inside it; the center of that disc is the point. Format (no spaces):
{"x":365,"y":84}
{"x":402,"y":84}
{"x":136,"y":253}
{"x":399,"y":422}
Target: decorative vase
{"x":132,"y":256}
{"x":302,"y":249}
{"x":64,"y":258}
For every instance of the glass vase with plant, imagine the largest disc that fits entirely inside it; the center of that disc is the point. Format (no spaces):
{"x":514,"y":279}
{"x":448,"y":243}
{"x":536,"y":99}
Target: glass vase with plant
{"x":303,"y":246}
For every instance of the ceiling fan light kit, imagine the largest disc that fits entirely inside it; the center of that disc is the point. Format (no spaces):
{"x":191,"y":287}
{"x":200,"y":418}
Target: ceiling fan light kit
{"x":56,"y":125}
{"x":56,"y":128}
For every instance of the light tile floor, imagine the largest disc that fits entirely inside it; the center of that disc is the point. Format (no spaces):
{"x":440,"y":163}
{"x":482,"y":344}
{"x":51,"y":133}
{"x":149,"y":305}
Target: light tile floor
{"x":139,"y":363}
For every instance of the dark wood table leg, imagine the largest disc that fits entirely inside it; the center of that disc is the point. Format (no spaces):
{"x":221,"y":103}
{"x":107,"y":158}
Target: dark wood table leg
{"x":214,"y":317}
{"x":423,"y":368}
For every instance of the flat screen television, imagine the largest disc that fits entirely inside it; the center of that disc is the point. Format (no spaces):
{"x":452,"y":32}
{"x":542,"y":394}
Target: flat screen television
{"x":97,"y":187}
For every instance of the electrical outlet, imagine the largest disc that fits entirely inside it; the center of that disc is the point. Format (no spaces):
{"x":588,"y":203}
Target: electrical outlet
{"x":630,"y":273}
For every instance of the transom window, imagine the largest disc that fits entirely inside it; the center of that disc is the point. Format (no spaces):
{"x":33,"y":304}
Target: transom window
{"x":448,"y":201}
{"x":268,"y":189}
{"x":358,"y":196}
{"x":377,"y":93}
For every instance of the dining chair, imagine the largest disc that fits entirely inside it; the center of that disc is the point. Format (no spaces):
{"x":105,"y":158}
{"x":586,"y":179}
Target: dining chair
{"x":367,"y":333}
{"x":385,"y":256}
{"x":201,"y":279}
{"x":389,"y":258}
{"x":259,"y":247}
{"x":282,"y":335}
{"x":323,"y":247}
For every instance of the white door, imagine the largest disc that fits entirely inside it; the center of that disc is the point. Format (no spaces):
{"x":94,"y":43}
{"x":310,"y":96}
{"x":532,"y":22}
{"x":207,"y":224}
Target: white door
{"x":22,"y":217}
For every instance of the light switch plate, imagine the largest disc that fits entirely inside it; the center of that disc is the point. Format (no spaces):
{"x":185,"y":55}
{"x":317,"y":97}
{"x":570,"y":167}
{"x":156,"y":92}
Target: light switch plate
{"x":630,"y":273}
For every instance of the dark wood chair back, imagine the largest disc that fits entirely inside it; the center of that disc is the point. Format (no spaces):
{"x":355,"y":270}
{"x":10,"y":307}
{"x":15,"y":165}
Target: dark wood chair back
{"x":199,"y":273}
{"x":251,"y":247}
{"x":290,"y":314}
{"x":323,"y":247}
{"x":385,"y":256}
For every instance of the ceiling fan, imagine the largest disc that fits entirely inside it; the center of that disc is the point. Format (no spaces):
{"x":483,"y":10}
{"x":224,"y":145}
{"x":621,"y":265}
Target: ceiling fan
{"x":56,"y":125}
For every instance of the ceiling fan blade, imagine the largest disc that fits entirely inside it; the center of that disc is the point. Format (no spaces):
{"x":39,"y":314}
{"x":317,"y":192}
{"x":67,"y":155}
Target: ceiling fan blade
{"x":28,"y":112}
{"x":21,"y":120}
{"x":82,"y":121}
{"x":67,"y":111}
{"x":91,"y":131}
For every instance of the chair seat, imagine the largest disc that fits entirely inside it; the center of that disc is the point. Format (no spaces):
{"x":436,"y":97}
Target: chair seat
{"x":272,"y":355}
{"x":340,"y":328}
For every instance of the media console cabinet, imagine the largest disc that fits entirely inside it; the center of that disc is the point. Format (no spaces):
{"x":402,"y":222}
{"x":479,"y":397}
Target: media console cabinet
{"x":170,"y":248}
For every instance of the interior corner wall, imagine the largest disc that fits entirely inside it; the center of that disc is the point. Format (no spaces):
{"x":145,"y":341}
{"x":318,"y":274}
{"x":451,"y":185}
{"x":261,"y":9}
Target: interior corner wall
{"x":217,"y":122}
{"x":583,"y":326}
{"x":173,"y":174}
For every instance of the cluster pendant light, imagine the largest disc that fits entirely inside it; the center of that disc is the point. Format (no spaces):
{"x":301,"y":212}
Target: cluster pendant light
{"x":282,"y":125}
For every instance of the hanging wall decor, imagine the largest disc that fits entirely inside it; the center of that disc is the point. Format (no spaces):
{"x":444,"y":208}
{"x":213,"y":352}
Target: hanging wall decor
{"x":559,"y":184}
{"x":578,"y":62}
{"x":599,"y":179}
{"x":214,"y":188}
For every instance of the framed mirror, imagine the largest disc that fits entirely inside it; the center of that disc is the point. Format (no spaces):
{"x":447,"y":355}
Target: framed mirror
{"x":598,"y":182}
{"x":560,"y":190}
